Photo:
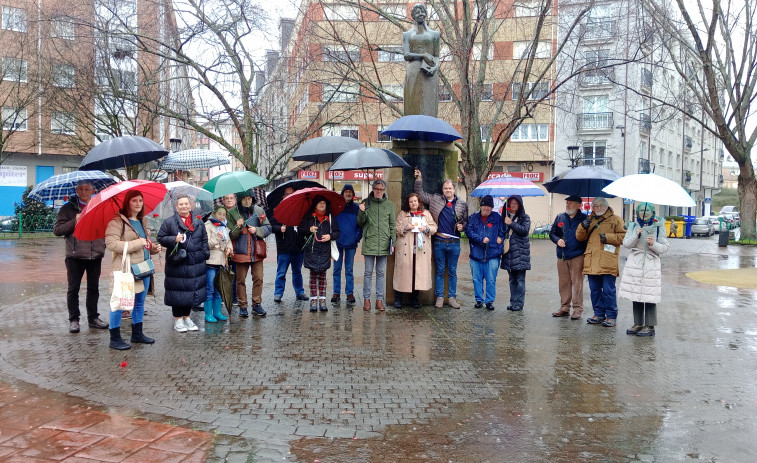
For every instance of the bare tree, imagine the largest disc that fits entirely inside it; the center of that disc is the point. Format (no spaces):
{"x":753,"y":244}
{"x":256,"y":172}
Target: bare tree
{"x":716,"y":46}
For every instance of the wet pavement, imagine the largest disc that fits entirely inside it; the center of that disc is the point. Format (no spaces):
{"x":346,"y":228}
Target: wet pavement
{"x":407,"y":385}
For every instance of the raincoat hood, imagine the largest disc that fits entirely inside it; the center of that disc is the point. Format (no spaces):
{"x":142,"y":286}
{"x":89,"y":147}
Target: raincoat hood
{"x":521,"y":210}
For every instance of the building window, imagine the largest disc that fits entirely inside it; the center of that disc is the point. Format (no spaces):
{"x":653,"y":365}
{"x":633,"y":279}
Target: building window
{"x":531,"y":132}
{"x":594,"y":152}
{"x":62,"y":28}
{"x":390,"y":53}
{"x":396,"y":11}
{"x":393,"y":92}
{"x":599,"y":23}
{"x":487,"y":92}
{"x":444,"y":93}
{"x":341,"y":53}
{"x":522,"y":50}
{"x":380,"y":137}
{"x":486,"y":132}
{"x":14,"y":119}
{"x":340,"y":93}
{"x":337,"y":12}
{"x":539,"y":90}
{"x":62,"y":123}
{"x":478,"y":51}
{"x":14,"y":69}
{"x":342,"y":131}
{"x":63,"y":75}
{"x":14,"y":19}
{"x":528,"y":8}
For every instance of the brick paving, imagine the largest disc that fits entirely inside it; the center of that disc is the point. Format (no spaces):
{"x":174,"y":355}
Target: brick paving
{"x":274,"y":388}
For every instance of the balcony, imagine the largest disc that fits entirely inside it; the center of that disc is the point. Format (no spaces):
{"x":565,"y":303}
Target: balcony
{"x":644,"y":166}
{"x":597,"y":77}
{"x":645,"y":123}
{"x":646,"y":80}
{"x":688,"y":142}
{"x":686,"y":177}
{"x":595,"y":121}
{"x":597,"y":30}
{"x":605,"y":162}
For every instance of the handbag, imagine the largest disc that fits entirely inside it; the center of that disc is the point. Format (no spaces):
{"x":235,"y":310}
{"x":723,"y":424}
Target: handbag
{"x":122,"y":297}
{"x":260,"y":249}
{"x":506,"y":244}
{"x":143,"y":269}
{"x":334,"y":250}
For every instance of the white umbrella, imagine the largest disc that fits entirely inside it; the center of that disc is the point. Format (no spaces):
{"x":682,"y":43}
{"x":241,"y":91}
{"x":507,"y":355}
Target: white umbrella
{"x":203,"y":200}
{"x":194,"y":159}
{"x":650,"y":188}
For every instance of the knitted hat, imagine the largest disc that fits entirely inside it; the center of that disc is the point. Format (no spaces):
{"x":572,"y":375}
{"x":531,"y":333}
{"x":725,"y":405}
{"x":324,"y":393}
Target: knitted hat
{"x":348,"y":187}
{"x":487,"y":201}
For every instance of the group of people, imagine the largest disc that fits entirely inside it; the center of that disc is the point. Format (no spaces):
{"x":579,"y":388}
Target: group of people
{"x":234,"y":236}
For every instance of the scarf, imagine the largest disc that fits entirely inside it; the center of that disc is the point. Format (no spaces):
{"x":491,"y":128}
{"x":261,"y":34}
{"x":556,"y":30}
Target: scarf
{"x":222,"y":227}
{"x":320,"y":217}
{"x":188,"y":222}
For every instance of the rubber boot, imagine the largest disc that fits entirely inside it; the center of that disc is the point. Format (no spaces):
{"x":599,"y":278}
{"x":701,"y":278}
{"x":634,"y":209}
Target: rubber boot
{"x":209,"y":318}
{"x":115,"y":340}
{"x":217,"y":303}
{"x":138,"y":336}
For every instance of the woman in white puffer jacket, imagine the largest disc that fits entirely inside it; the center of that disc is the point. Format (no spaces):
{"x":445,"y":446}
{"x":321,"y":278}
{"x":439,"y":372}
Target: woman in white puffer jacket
{"x":641,"y":282}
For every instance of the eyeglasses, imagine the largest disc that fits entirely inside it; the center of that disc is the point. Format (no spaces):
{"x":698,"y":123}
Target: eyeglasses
{"x":378,"y":188}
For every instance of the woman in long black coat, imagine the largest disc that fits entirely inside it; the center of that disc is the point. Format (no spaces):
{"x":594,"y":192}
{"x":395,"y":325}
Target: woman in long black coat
{"x":185,"y":277}
{"x":517,"y":227}
{"x":318,"y":229}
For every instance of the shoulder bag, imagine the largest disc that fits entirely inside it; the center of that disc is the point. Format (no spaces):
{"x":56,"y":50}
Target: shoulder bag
{"x":260,"y":249}
{"x":143,"y":269}
{"x":506,"y":244}
{"x":122,"y":297}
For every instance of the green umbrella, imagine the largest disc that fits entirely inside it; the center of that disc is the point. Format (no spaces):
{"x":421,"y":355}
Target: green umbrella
{"x":233,"y":182}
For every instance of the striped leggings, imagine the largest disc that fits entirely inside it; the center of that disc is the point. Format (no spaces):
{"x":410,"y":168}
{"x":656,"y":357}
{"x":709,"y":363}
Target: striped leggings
{"x":317,"y":284}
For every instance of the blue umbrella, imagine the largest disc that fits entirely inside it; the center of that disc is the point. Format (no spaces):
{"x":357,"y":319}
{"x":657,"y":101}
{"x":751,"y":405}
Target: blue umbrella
{"x":64,"y":185}
{"x":420,"y":127}
{"x":507,"y":186}
{"x":121,"y":152}
{"x":584,"y":181}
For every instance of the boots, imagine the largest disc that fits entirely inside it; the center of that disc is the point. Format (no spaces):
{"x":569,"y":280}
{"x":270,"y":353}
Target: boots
{"x":397,"y":300}
{"x":414,"y":300}
{"x":115,"y":340}
{"x":217,"y":304}
{"x":314,"y":304}
{"x":209,"y":318}
{"x":322,"y":304}
{"x":138,"y":336}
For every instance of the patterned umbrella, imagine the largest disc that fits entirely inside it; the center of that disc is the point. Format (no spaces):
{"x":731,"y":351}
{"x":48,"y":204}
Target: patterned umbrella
{"x":64,"y":185}
{"x":194,"y":159}
{"x":507,"y":186}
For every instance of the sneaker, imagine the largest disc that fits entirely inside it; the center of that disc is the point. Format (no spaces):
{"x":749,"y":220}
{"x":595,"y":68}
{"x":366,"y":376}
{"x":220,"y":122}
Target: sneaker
{"x":179,"y":326}
{"x":609,"y":323}
{"x":335,"y":299}
{"x":634,"y":329}
{"x":243,"y":312}
{"x":489,"y":306}
{"x":595,"y":320}
{"x":257,"y":309}
{"x":190,"y":324}
{"x":73,"y":326}
{"x":302,"y":297}
{"x":322,"y":305}
{"x":351,"y":299}
{"x":277,"y":298}
{"x":314,"y":305}
{"x":646,"y":331}
{"x":478,"y":305}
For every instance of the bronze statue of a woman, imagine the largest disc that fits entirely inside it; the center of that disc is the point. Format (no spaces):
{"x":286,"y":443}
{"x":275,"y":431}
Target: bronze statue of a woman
{"x":420,"y":45}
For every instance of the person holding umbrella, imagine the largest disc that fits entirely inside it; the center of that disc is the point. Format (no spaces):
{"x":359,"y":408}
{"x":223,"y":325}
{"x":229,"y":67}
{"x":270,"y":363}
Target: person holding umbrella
{"x":603,"y":233}
{"x":129,"y":228}
{"x":219,"y":244}
{"x":81,"y":256}
{"x":187,"y":241}
{"x":255,"y":227}
{"x":641,"y":282}
{"x":377,"y":218}
{"x":288,"y":253}
{"x":412,"y":257}
{"x":318,"y":229}
{"x":518,"y":260}
{"x":486,"y":235}
{"x":570,"y":258}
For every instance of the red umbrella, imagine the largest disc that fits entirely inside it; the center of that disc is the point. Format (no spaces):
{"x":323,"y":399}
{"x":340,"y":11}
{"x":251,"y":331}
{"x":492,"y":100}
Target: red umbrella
{"x":105,"y":205}
{"x":292,"y":209}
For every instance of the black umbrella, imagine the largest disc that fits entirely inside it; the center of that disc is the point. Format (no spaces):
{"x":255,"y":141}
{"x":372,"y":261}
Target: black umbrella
{"x":119,"y":152}
{"x":584,"y":181}
{"x":275,"y":196}
{"x":368,"y":159}
{"x":325,"y":149}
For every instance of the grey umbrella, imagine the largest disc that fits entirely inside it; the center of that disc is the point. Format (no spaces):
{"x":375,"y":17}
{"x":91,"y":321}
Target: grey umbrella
{"x":325,"y":149}
{"x":119,"y":152}
{"x":368,"y":159}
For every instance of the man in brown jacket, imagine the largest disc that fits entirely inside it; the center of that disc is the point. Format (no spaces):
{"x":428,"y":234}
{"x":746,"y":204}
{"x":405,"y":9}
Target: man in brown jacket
{"x":604,"y":232}
{"x":81,"y":256}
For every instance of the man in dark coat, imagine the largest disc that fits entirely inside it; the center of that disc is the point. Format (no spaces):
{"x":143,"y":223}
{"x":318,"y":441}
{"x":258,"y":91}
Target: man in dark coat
{"x":518,"y":259}
{"x":570,"y":258}
{"x":81,"y":256}
{"x":288,"y":253}
{"x":350,"y":235}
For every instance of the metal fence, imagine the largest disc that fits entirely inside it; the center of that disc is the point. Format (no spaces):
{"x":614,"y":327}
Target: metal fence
{"x":18,"y":225}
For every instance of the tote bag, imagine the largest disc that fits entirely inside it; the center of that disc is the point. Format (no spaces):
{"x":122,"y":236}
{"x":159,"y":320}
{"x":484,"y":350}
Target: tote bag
{"x":122,"y":297}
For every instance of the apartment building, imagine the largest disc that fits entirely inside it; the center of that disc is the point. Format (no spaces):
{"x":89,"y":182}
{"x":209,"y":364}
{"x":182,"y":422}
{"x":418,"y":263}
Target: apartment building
{"x":73,"y":75}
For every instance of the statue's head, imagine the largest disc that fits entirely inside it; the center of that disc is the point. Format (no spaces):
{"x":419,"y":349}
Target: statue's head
{"x":419,"y":13}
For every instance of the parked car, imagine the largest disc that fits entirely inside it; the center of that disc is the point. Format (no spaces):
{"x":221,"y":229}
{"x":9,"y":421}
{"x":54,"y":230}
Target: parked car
{"x":729,"y":209}
{"x":542,"y":229}
{"x":9,"y":224}
{"x":715,"y":221}
{"x":702,"y":226}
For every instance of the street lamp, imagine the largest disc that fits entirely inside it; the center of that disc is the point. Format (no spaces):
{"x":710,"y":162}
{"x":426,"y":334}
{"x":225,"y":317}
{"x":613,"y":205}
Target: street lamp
{"x":175,"y":144}
{"x":573,"y":155}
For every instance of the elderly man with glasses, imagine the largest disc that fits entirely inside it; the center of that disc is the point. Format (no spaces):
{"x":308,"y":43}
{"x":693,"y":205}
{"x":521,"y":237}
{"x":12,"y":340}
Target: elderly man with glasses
{"x":377,"y":218}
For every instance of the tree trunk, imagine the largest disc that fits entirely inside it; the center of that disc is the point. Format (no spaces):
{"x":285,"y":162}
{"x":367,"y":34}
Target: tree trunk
{"x":748,"y":199}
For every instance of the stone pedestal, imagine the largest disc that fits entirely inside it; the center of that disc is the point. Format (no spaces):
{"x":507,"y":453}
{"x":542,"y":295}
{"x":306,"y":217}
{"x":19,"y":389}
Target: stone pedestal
{"x":437,"y":161}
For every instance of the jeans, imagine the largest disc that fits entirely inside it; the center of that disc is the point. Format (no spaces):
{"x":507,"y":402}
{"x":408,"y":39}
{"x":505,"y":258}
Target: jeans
{"x":517,"y":288}
{"x":603,"y":298}
{"x":379,"y":262}
{"x":346,"y":256}
{"x":484,"y":272}
{"x":283,"y":261}
{"x":210,"y":287}
{"x":138,"y":313}
{"x":75,"y":269}
{"x":446,"y":254}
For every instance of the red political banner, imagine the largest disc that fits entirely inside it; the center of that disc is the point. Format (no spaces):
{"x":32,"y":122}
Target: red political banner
{"x":308,"y":174}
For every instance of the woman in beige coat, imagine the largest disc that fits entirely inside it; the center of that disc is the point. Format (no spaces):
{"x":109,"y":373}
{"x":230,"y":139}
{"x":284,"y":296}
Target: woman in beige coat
{"x":129,"y":228}
{"x":413,"y":271}
{"x":219,"y":244}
